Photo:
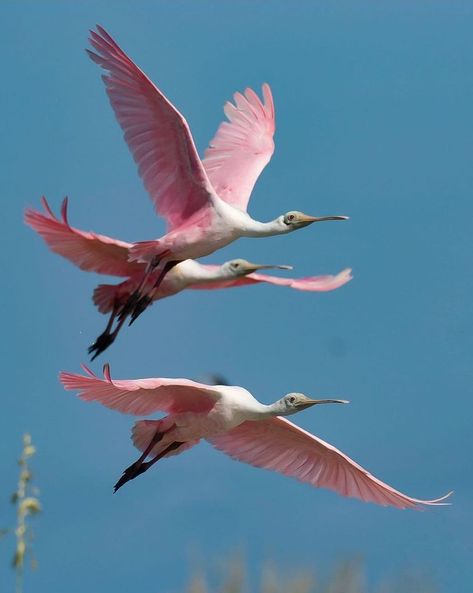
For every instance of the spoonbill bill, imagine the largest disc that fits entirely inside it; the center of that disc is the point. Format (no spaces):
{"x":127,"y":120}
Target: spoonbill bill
{"x":204,"y":202}
{"x":234,"y":422}
{"x":104,"y":255}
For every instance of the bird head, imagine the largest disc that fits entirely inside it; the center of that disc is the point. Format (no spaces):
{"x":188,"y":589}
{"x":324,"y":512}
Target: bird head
{"x":295,"y":402}
{"x":296,"y":220}
{"x":242,"y":267}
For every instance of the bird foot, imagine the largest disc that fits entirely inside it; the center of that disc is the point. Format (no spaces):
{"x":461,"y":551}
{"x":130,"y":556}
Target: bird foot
{"x":140,"y":306}
{"x":101,"y":343}
{"x":135,"y":469}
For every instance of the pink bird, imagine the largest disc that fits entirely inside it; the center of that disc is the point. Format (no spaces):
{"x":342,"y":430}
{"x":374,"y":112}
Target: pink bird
{"x":104,"y":255}
{"x":234,"y":422}
{"x":203,"y":202}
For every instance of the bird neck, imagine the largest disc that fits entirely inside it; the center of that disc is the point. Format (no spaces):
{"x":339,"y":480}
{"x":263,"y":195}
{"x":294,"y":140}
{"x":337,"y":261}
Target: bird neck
{"x":255,"y":228}
{"x":209,"y":274}
{"x":261,"y":411}
{"x":193,"y":273}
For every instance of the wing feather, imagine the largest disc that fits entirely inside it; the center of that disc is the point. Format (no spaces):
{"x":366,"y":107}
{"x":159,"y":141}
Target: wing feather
{"x":309,"y":283}
{"x":89,"y":251}
{"x":157,"y":135}
{"x":141,"y":397}
{"x":242,"y":147}
{"x":280,"y":445}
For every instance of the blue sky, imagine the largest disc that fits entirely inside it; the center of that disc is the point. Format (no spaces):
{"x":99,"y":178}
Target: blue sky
{"x":373,"y":106}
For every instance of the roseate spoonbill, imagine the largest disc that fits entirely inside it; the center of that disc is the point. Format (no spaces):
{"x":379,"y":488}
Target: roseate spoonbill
{"x":203,"y":202}
{"x":234,"y":422}
{"x":104,"y":255}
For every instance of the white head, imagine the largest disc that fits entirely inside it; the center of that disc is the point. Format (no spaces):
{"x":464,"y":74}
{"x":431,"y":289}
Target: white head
{"x":241,"y":267}
{"x":295,"y":402}
{"x":294,"y":220}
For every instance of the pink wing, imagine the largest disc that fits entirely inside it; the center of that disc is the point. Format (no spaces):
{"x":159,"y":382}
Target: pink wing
{"x":141,"y":397}
{"x":309,"y":283}
{"x":156,"y":133}
{"x":280,"y":445}
{"x":88,"y":251}
{"x":242,"y":147}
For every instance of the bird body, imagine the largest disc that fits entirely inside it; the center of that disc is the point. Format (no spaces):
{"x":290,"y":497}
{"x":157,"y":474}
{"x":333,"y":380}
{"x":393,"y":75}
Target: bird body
{"x":204,"y":202}
{"x":104,"y":255}
{"x":207,"y":232}
{"x":235,"y":422}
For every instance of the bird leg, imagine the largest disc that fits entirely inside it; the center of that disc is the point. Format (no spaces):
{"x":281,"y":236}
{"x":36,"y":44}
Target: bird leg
{"x":131,"y":471}
{"x":136,"y":295}
{"x":106,"y":338}
{"x":143,"y":302}
{"x":140,"y":466}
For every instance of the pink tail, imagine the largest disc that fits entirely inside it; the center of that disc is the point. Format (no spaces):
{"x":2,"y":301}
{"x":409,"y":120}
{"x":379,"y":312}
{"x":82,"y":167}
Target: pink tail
{"x":142,"y":433}
{"x":106,"y":295}
{"x":145,"y":251}
{"x":144,"y":430}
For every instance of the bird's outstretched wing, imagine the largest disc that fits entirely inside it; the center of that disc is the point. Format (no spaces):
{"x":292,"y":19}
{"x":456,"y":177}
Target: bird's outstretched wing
{"x":242,"y":147}
{"x":309,"y":283}
{"x":141,"y":397}
{"x":156,"y":133}
{"x":280,"y":445}
{"x":89,"y":251}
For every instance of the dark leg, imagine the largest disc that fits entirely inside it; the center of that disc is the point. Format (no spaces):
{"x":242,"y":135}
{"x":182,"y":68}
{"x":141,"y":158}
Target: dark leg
{"x":136,"y":295}
{"x":144,"y":302}
{"x":105,"y":338}
{"x":142,"y":467}
{"x":131,"y":471}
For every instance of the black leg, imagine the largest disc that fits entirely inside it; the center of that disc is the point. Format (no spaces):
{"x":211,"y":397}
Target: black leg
{"x":144,"y":302}
{"x":137,"y":470}
{"x":136,"y":295}
{"x":105,"y":339}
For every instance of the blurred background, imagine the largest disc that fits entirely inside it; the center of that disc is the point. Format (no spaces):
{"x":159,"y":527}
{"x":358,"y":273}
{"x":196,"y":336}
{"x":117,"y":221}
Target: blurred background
{"x":373,"y":106}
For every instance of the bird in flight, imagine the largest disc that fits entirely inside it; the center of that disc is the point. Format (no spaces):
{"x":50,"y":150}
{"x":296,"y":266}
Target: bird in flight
{"x":204,"y":201}
{"x":101,"y":254}
{"x":234,"y":422}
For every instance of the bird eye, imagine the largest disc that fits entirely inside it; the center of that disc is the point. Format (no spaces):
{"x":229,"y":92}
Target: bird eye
{"x":236,"y":265}
{"x":291,"y":217}
{"x":292,"y":399}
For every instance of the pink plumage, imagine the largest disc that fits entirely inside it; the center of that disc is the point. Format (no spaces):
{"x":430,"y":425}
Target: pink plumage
{"x":279,"y":445}
{"x":324,"y":283}
{"x":141,"y":397}
{"x":203,"y":202}
{"x":234,"y":422}
{"x":242,"y":147}
{"x":157,"y":134}
{"x":93,"y":252}
{"x":89,"y":251}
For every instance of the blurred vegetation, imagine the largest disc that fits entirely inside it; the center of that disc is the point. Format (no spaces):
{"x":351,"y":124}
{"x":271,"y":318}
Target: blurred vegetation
{"x":346,"y":577}
{"x":26,"y":500}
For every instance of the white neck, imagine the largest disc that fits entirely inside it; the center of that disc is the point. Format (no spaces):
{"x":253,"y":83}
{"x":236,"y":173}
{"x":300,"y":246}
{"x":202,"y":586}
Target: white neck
{"x":255,"y":228}
{"x":195,"y":273}
{"x":261,"y":411}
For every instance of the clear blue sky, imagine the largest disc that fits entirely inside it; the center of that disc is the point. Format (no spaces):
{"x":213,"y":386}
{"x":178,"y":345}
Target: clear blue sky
{"x":374,"y":120}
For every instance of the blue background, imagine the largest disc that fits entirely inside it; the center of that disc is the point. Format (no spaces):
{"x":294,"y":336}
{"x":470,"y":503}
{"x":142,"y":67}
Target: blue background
{"x":373,"y":107}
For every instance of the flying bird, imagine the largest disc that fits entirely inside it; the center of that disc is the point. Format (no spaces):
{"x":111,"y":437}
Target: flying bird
{"x":101,"y":254}
{"x":204,"y":202}
{"x":234,"y":422}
